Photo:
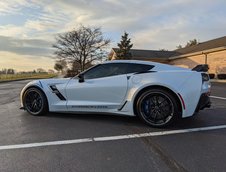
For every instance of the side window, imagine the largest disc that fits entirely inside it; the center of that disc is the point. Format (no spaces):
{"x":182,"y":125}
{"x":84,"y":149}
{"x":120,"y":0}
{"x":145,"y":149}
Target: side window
{"x":133,"y":68}
{"x":105,"y":70}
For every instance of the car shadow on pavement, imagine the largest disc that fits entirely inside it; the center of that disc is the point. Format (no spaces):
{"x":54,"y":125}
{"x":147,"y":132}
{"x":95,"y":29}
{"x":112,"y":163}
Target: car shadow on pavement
{"x":202,"y":119}
{"x":194,"y":121}
{"x":107,"y":118}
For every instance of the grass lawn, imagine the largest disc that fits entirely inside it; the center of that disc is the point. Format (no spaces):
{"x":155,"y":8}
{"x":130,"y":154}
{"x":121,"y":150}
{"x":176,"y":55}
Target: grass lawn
{"x":10,"y":77}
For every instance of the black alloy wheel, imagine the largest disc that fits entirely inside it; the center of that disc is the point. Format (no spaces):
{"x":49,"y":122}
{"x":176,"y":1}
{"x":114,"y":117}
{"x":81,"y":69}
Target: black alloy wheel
{"x":157,"y":107}
{"x":35,"y":101}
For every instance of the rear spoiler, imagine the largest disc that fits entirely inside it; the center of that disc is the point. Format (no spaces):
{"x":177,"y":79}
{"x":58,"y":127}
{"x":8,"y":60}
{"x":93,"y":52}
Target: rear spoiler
{"x":201,"y":68}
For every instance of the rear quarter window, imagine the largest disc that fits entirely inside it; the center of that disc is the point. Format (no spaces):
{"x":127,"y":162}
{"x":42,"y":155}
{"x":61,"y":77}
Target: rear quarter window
{"x":136,"y":68}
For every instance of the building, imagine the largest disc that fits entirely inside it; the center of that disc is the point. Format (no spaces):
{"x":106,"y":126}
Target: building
{"x":212,"y":52}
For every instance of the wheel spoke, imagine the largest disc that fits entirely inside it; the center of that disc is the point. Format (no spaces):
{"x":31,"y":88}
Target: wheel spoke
{"x":33,"y":101}
{"x":162,"y":102}
{"x":156,"y":100}
{"x":155,"y":116}
{"x":157,"y":108}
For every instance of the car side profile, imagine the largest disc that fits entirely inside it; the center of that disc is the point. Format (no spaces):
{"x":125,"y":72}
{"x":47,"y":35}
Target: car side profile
{"x":157,"y":93}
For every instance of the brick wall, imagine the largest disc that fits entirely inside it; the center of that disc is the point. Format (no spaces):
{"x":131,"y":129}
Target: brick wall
{"x":215,"y":60}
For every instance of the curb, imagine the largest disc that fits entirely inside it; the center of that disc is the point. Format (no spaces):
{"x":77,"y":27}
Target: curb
{"x":218,"y":80}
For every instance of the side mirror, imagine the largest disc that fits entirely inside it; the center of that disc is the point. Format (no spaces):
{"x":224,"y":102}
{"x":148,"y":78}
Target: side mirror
{"x":81,"y":78}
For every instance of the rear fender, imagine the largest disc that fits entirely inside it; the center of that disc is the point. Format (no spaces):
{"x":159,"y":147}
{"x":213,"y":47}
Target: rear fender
{"x":190,"y":91}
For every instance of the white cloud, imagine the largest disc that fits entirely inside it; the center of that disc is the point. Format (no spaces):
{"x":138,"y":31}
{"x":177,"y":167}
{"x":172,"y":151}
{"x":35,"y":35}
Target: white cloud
{"x":114,"y":2}
{"x":33,"y":47}
{"x":14,"y":6}
{"x":12,"y":30}
{"x":152,"y":24}
{"x":40,"y":25}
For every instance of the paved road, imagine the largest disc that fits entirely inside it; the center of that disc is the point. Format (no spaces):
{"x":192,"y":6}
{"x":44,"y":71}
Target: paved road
{"x":192,"y":151}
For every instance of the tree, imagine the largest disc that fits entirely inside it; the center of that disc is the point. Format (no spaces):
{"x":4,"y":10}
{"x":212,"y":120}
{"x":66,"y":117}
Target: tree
{"x":58,"y":67}
{"x":124,"y":48}
{"x":82,"y":46}
{"x":7,"y":71}
{"x":40,"y":70}
{"x":4,"y":71}
{"x":10,"y":71}
{"x":179,"y":46}
{"x":189,"y":44}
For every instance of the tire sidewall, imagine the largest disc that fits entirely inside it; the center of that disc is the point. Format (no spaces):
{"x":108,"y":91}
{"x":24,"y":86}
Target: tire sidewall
{"x":44,"y":102}
{"x":163,"y":92}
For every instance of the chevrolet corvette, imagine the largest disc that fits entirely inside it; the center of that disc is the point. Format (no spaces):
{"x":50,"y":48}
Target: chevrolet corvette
{"x":157,"y":93}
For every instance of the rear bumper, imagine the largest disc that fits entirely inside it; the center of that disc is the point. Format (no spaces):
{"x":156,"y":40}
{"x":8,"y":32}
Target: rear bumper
{"x":204,"y":102}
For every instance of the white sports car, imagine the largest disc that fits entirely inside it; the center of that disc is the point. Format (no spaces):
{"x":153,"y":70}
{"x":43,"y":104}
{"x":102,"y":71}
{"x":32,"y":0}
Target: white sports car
{"x":155,"y":92}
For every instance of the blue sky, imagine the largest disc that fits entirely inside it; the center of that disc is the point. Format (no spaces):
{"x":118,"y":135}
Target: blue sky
{"x":28,"y":27}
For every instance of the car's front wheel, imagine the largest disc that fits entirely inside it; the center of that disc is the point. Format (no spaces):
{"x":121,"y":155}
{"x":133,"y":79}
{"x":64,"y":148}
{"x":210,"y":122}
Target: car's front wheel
{"x":35,"y":101}
{"x":157,"y":107}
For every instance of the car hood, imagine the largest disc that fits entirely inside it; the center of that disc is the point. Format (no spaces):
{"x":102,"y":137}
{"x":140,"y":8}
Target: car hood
{"x":43,"y":83}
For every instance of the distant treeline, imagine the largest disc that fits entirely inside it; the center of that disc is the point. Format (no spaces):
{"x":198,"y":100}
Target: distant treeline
{"x":7,"y":71}
{"x":13,"y":71}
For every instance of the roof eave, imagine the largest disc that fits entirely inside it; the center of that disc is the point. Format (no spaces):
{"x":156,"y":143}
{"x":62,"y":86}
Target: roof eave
{"x":198,"y":53}
{"x":152,"y":58}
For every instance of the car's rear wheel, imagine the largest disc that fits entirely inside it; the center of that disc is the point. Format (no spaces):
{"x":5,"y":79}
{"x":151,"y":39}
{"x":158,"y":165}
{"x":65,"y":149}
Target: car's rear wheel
{"x":157,"y":107}
{"x":35,"y":101}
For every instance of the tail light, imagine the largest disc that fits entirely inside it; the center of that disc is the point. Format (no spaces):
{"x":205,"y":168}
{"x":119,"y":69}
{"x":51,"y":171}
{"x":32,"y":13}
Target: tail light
{"x":205,"y":77}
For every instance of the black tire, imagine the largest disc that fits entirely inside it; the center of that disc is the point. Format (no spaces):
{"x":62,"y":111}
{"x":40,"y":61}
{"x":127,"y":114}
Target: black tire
{"x":35,"y":101}
{"x":157,"y":107}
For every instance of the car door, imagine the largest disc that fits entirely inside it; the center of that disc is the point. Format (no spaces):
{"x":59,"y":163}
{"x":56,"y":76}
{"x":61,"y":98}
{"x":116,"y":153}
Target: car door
{"x":104,"y":89}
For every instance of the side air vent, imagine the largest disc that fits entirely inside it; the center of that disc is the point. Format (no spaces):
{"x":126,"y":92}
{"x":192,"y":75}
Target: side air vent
{"x":57,"y":92}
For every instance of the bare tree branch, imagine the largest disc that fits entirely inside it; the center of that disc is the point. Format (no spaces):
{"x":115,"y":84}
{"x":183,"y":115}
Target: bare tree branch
{"x":82,"y":46}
